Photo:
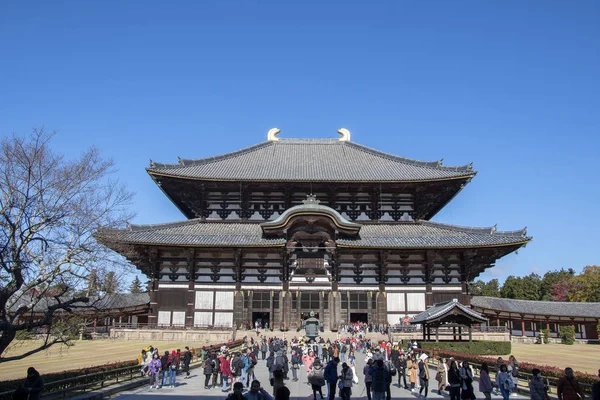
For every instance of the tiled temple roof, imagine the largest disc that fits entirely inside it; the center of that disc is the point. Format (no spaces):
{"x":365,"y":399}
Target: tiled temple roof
{"x":310,"y":160}
{"x":439,"y":310}
{"x":419,"y":234}
{"x":107,"y":302}
{"x":550,"y":308}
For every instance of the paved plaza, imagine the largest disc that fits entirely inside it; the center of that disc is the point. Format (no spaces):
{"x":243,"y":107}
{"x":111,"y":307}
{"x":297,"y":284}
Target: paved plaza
{"x":299,"y":390}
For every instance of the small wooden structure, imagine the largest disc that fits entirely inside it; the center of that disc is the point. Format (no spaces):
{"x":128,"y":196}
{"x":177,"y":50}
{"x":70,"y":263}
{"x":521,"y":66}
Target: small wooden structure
{"x":451,"y":316}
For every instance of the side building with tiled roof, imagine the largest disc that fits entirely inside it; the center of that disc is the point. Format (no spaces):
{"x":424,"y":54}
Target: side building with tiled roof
{"x":289,"y":226}
{"x":525,"y":319}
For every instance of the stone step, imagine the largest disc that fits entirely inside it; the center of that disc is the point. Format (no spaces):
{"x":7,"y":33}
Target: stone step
{"x":374,"y":336}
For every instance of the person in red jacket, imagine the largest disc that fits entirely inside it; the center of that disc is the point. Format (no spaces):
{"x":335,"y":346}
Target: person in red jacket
{"x":226,"y":372}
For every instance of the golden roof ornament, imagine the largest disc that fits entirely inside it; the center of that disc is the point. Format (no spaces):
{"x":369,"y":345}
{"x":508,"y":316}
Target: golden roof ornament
{"x":271,"y":135}
{"x":345,"y":134}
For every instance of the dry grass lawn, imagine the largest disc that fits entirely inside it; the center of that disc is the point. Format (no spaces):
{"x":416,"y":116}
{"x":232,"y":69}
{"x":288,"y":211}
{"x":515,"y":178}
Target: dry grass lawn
{"x":83,"y":354}
{"x":580,"y":357}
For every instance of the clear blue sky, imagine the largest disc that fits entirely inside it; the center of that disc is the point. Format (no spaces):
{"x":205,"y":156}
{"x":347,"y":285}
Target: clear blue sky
{"x":512,"y":86}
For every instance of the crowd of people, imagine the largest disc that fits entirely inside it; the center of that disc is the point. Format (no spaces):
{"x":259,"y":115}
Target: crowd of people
{"x":357,"y":328}
{"x":331,"y":366}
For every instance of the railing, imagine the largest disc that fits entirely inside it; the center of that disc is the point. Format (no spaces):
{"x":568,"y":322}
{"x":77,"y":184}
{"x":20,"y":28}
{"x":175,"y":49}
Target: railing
{"x":70,"y":387}
{"x":494,"y":329}
{"x":442,"y":329}
{"x":405,"y":328}
{"x":171,"y":327}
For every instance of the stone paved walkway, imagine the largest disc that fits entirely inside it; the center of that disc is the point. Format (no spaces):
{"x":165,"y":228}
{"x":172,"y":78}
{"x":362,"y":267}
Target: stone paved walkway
{"x":194,"y":387}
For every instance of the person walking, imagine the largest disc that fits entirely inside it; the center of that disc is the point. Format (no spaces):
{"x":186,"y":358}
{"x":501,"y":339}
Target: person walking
{"x":331,"y":376}
{"x":308,"y":359}
{"x":187,"y":359}
{"x":401,"y":368}
{"x":295,"y":365}
{"x":209,"y":366}
{"x":485,"y":383}
{"x":442,"y":375}
{"x":368,"y":377}
{"x":277,"y":380}
{"x":164,"y":366}
{"x":424,"y":375}
{"x":412,"y":367}
{"x":380,"y":380}
{"x":568,"y":388}
{"x":537,"y":388}
{"x":466,"y":374}
{"x":513,"y":371}
{"x":346,"y":377}
{"x":250,"y":376}
{"x":226,"y":372}
{"x":154,"y":369}
{"x":504,"y":382}
{"x":316,"y":378}
{"x":454,"y":381}
{"x":264,"y":348}
{"x":173,"y":366}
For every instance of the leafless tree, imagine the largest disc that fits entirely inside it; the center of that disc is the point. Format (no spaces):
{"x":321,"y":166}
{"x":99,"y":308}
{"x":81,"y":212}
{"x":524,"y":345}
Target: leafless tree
{"x":50,"y":207}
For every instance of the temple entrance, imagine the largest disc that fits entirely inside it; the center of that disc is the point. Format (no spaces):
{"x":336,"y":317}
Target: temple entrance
{"x":359,"y":317}
{"x":261,"y":317}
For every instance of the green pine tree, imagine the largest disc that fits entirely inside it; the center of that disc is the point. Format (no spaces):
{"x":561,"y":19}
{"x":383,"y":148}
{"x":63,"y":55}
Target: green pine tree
{"x":136,"y":286}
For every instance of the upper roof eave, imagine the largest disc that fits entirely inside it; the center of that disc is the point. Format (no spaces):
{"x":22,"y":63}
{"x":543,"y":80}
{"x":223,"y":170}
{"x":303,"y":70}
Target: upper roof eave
{"x":311,"y":160}
{"x":155,"y":173}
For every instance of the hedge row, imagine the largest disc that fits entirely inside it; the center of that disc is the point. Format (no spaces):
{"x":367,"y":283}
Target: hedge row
{"x":548,"y":371}
{"x":484,"y":347}
{"x":83,"y":373}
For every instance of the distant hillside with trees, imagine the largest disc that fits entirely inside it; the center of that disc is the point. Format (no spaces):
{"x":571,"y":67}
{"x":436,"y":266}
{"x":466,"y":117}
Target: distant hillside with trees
{"x":560,"y":285}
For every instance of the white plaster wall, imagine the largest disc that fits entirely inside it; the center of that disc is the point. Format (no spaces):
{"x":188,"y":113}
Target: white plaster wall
{"x":204,"y":299}
{"x":203,"y":318}
{"x":395,"y":302}
{"x":164,"y":317}
{"x":224,"y":301}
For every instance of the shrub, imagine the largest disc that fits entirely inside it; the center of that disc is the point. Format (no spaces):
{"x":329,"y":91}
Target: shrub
{"x":480,"y":348}
{"x":567,"y":334}
{"x":545,"y":335}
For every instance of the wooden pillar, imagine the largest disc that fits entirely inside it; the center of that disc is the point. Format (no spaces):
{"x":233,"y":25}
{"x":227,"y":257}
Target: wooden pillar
{"x":272,"y":312}
{"x":522,"y":327}
{"x":460,"y":333}
{"x":424,"y":328}
{"x":370,"y":307}
{"x":285,"y":308}
{"x":250,"y":309}
{"x":321,"y":309}
{"x":470,"y":333}
{"x":437,"y":329}
{"x":191,"y":297}
{"x":348,"y":307}
{"x":453,"y":333}
{"x":95,"y":323}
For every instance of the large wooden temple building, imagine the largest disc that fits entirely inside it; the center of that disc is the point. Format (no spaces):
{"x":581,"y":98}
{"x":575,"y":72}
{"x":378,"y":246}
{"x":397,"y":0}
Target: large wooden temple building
{"x":289,"y":226}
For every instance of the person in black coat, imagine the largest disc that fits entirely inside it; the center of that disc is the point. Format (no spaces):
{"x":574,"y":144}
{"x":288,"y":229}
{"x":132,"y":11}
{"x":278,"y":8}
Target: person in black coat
{"x":186,"y":359}
{"x":401,"y":367}
{"x":209,"y":367}
{"x":32,"y":387}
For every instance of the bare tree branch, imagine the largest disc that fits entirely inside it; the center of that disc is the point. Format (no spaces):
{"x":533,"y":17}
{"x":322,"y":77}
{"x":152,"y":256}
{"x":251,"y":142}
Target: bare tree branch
{"x":50,"y":209}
